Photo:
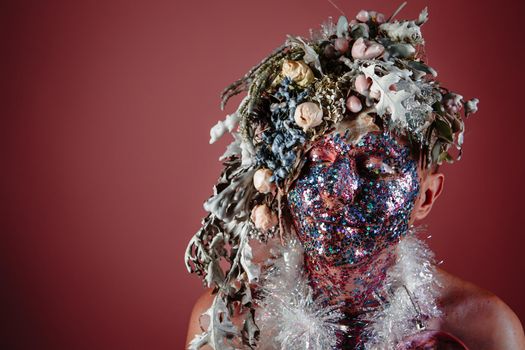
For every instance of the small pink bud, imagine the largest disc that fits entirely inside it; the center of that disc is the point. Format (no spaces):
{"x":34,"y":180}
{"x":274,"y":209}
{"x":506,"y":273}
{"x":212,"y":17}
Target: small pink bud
{"x":365,"y":49}
{"x":362,"y":84}
{"x":341,"y":45}
{"x":354,"y":104}
{"x":263,"y":218}
{"x":363,"y":16}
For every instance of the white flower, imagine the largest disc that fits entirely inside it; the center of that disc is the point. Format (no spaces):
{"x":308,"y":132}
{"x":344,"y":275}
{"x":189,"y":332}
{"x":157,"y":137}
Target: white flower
{"x":308,"y":115}
{"x":263,"y":218}
{"x":261,"y":180}
{"x":471,"y":106}
{"x":298,"y":71}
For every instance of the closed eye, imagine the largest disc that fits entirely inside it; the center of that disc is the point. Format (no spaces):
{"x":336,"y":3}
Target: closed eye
{"x":376,"y":167}
{"x":322,"y":155}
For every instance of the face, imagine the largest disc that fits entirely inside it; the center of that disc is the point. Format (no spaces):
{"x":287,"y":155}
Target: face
{"x":352,"y":201}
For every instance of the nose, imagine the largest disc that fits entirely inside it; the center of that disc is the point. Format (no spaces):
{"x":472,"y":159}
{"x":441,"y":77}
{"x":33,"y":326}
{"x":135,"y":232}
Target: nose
{"x":342,"y":182}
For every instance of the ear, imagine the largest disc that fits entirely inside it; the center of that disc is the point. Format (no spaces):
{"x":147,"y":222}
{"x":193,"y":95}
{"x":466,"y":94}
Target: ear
{"x":431,"y":188}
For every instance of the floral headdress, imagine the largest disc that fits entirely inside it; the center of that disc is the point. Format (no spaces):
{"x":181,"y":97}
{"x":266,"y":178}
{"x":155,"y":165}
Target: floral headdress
{"x":347,"y":78}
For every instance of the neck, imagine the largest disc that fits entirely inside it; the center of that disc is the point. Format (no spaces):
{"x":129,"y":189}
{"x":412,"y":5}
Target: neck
{"x":356,"y":286}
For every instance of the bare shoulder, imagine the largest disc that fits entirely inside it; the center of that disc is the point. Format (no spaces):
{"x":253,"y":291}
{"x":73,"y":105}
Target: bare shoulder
{"x":198,"y":323}
{"x":478,"y":317}
{"x":202,"y":304}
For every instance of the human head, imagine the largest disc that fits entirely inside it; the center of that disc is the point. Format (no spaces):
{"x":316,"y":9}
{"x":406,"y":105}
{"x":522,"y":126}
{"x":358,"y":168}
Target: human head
{"x":353,"y":199}
{"x":356,"y":77}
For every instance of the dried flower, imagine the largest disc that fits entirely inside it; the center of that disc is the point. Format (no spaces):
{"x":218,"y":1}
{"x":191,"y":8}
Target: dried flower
{"x":452,"y":103}
{"x":471,"y":106}
{"x":362,"y":16}
{"x":298,"y":71}
{"x":261,"y":180}
{"x":308,"y":115}
{"x":366,"y":49}
{"x":354,"y":104}
{"x":365,"y":16}
{"x":263,"y":218}
{"x":362,"y":84}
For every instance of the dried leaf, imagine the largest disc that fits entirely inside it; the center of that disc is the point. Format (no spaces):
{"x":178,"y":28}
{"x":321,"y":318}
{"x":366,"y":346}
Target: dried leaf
{"x":390,"y":101}
{"x":310,"y":56}
{"x":220,"y":329}
{"x":342,"y":26}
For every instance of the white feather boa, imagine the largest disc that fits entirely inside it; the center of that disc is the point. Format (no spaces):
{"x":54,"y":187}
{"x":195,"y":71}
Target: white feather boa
{"x":290,"y":318}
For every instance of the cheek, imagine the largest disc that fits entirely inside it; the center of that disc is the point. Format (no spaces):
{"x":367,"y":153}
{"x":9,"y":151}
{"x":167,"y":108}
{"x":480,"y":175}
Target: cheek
{"x":401,"y":193}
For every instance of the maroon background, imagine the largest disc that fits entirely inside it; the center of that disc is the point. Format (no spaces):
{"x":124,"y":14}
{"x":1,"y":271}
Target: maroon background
{"x":105,"y":161}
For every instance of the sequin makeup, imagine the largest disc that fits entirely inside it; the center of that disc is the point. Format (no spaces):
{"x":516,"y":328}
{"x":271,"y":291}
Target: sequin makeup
{"x":350,"y":203}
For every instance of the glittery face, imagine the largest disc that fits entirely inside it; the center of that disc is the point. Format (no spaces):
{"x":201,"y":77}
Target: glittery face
{"x":352,"y":201}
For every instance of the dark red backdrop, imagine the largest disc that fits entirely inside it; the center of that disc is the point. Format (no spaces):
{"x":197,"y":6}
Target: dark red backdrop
{"x":105,"y":161}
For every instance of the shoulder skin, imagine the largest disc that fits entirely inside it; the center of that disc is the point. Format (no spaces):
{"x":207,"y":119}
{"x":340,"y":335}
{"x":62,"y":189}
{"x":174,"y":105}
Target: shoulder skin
{"x":478,"y":317}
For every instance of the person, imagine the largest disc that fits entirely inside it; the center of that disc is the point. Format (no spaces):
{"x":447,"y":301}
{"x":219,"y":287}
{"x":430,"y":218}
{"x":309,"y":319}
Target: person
{"x":336,"y":157}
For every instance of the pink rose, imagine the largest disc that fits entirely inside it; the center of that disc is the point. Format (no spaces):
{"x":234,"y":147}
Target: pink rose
{"x":261,"y":181}
{"x":298,"y":71}
{"x":362,"y":84}
{"x":263,"y":218}
{"x":354,"y":104}
{"x":365,"y":49}
{"x":308,"y":115}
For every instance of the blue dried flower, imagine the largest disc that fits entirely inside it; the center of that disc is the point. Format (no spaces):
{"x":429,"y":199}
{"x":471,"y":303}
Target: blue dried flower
{"x":278,"y":149}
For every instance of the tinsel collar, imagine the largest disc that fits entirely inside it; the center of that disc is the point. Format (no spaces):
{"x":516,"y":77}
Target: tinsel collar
{"x":290,"y":317}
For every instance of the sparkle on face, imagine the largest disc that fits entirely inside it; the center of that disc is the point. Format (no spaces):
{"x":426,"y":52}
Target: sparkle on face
{"x":353,"y":200}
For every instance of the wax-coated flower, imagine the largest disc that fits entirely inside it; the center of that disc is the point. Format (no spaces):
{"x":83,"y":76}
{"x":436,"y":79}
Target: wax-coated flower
{"x":263,"y":218}
{"x":365,"y":16}
{"x":366,"y":49}
{"x":308,"y":115}
{"x":377,"y":17}
{"x":362,"y":16}
{"x":298,"y":71}
{"x":354,"y":104}
{"x":362,"y":84}
{"x":261,"y":180}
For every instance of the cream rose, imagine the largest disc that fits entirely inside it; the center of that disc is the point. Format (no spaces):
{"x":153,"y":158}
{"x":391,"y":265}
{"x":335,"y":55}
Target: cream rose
{"x":308,"y":115}
{"x":261,"y":180}
{"x":298,"y":71}
{"x":263,"y":218}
